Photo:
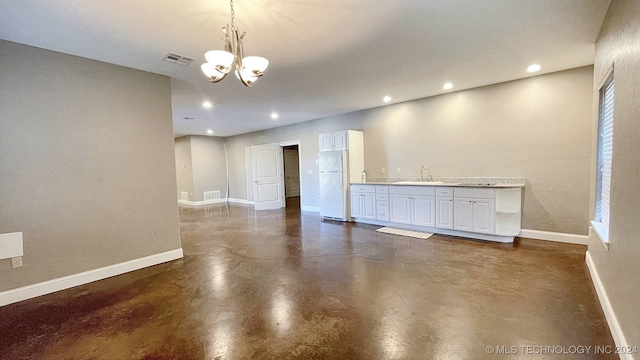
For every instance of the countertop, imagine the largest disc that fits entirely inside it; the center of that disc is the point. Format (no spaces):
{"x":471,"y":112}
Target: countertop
{"x":418,"y":183}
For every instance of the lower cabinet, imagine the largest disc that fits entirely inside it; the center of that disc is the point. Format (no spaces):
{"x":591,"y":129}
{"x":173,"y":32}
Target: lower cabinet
{"x":363,"y":205}
{"x":475,"y":215}
{"x":444,"y":212}
{"x":415,"y":209}
{"x":469,"y":209}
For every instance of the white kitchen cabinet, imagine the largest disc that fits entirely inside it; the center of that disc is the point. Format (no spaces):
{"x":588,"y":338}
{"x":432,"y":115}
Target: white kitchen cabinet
{"x":382,"y":203}
{"x":444,"y":212}
{"x":400,"y":208}
{"x":474,"y":210}
{"x":483,"y":216}
{"x":413,"y":205}
{"x":337,"y":140}
{"x":363,"y":201}
{"x":463,"y":214}
{"x":423,"y":210}
{"x":444,"y":208}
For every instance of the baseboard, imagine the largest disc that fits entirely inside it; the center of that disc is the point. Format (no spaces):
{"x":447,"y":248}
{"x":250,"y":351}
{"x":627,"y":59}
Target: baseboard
{"x":241,"y":201}
{"x":554,"y":236}
{"x":51,"y":286}
{"x":199,"y":203}
{"x":310,"y":208}
{"x":612,"y":320}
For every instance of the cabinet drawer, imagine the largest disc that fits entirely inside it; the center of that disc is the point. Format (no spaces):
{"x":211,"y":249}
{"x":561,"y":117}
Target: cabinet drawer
{"x":477,"y":193}
{"x":382,"y":215}
{"x":382,"y":197}
{"x":412,"y":190}
{"x":382,"y":189}
{"x":363,"y":188}
{"x":444,"y":191}
{"x":382,"y":205}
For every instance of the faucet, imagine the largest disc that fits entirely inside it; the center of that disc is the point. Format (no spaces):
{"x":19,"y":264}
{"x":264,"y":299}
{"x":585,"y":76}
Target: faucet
{"x":422,"y":176}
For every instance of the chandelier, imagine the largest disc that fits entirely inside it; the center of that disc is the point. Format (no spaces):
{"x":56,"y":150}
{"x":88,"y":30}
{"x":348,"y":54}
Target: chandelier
{"x":220,"y":62}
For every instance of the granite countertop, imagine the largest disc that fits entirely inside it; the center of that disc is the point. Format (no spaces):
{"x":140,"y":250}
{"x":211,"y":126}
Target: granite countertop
{"x":450,"y":182}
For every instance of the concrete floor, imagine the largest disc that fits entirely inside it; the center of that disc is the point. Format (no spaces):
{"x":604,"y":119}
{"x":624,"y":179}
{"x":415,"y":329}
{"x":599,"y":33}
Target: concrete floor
{"x":281,"y":285}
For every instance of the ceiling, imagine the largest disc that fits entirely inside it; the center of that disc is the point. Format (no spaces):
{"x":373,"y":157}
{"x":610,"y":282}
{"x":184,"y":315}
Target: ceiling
{"x":327,"y":57}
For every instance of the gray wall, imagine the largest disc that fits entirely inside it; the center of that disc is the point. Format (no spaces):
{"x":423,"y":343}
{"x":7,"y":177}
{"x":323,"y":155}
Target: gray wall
{"x":184,"y":170}
{"x":538,"y":128}
{"x":86,"y":163}
{"x":618,"y":268}
{"x":209,"y":167}
{"x":200,"y":166}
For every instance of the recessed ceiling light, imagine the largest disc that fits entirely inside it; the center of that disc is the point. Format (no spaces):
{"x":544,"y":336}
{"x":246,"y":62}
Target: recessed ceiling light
{"x":210,"y":132}
{"x":447,"y":86}
{"x":274,"y":116}
{"x":386,"y":99}
{"x":533,"y":68}
{"x":206,"y":104}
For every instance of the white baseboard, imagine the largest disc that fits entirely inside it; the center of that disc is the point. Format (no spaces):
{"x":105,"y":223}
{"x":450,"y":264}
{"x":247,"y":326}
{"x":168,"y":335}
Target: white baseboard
{"x":199,"y":203}
{"x":612,"y":320}
{"x":50,"y":286}
{"x":241,"y":201}
{"x":554,"y":236}
{"x":310,"y":208}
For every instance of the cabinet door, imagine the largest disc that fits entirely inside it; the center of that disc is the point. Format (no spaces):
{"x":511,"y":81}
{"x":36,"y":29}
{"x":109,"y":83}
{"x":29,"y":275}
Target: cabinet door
{"x":356,"y":205}
{"x":399,"y":208}
{"x":483,"y":216}
{"x":326,"y":142}
{"x":444,"y":212}
{"x":369,"y":206}
{"x":339,"y":139}
{"x":423,"y":210}
{"x":463,"y":214}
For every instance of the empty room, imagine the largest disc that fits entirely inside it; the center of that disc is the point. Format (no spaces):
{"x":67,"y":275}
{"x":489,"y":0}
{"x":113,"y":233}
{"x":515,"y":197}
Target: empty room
{"x":258,"y":179}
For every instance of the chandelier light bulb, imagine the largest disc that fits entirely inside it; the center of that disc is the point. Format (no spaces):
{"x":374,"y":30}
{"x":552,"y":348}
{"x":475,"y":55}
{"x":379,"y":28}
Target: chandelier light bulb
{"x":221,"y":62}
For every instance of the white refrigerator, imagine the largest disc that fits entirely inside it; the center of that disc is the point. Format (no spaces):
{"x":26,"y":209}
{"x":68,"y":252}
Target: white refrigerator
{"x":334,"y":185}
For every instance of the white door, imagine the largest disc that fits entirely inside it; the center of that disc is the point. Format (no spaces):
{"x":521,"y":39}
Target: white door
{"x":400,"y":209}
{"x":463,"y":214}
{"x":268,"y":179}
{"x":444,"y":212}
{"x":423,"y":210}
{"x":483,"y":216}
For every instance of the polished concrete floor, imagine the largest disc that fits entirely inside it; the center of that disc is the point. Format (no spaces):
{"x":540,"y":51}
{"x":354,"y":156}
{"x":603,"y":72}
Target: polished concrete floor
{"x":284,"y":285}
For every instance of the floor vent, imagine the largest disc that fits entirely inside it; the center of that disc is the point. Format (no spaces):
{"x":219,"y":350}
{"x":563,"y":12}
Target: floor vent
{"x":178,"y":59}
{"x":212,"y":195}
{"x":184,"y":195}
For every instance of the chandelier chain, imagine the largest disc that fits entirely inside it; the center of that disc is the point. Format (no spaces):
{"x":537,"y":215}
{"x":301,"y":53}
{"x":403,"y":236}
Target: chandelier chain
{"x":233,"y":12}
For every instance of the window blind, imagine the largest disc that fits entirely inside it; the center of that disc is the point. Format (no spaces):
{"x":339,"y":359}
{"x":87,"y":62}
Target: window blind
{"x":605,"y":153}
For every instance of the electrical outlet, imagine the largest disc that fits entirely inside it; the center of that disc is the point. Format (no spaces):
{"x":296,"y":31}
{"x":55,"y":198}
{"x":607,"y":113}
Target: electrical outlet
{"x":16,"y":262}
{"x":384,"y":171}
{"x":309,"y":172}
{"x":398,"y":171}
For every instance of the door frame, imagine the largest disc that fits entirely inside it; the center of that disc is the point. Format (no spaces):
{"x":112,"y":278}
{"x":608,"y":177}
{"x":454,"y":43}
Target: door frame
{"x":249,"y":165}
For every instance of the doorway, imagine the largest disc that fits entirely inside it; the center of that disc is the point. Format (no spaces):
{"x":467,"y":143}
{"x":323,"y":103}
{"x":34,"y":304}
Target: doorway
{"x":291,"y":157}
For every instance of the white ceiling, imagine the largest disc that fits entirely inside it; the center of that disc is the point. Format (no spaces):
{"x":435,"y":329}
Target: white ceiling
{"x":327,"y":57}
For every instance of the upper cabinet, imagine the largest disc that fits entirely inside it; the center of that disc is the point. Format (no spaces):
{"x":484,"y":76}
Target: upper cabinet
{"x":338,"y":140}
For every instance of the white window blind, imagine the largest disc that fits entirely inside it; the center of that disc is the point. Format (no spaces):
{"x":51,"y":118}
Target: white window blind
{"x":605,"y":154}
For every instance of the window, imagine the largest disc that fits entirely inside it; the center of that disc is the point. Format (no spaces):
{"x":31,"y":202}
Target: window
{"x":605,"y":155}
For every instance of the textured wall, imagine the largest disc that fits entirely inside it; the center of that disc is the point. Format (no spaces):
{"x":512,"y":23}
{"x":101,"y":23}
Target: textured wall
{"x":538,"y":128}
{"x":184,"y":170}
{"x":619,"y":44}
{"x":209,"y":167}
{"x":86,"y":163}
